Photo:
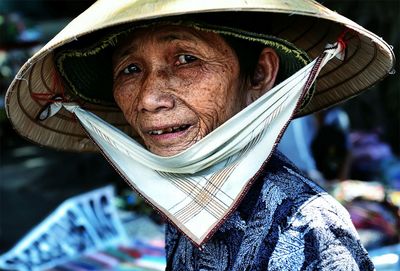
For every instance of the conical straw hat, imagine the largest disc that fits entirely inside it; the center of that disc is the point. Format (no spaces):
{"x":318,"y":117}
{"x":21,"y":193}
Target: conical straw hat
{"x":306,"y":24}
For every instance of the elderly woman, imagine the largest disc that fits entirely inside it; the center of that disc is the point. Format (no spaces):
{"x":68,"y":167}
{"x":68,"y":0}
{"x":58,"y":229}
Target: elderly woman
{"x":205,"y":91}
{"x":176,"y":84}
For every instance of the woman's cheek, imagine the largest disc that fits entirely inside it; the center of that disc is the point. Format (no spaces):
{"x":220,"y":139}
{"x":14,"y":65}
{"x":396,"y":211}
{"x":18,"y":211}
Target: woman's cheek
{"x":124,"y":101}
{"x":118,"y":97}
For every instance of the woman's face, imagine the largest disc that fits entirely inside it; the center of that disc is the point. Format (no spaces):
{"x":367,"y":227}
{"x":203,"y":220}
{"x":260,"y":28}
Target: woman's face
{"x":175,"y":85}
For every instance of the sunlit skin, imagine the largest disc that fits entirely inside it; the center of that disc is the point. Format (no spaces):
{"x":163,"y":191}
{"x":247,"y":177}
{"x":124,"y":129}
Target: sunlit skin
{"x":175,"y":85}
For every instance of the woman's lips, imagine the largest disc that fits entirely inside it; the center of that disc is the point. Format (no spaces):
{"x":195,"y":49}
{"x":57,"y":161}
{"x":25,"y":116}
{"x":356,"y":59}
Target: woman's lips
{"x":168,"y":130}
{"x":169,"y":139}
{"x":168,"y":134}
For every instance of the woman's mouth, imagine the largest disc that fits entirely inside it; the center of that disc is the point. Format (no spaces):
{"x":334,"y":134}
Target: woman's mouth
{"x":168,"y":130}
{"x":167,"y":140}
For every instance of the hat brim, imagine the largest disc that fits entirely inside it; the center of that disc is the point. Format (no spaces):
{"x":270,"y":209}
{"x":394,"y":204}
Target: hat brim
{"x":86,"y":67}
{"x":307,"y":24}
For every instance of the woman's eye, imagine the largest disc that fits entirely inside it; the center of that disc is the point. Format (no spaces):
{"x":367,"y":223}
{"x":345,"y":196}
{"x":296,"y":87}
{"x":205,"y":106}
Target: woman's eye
{"x":132,"y":68}
{"x":185,"y":59}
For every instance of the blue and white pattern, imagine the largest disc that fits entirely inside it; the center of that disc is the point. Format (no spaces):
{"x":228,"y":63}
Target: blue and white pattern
{"x":285,"y":222}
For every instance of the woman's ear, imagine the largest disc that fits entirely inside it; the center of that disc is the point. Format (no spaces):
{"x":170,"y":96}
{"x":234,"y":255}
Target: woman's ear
{"x":264,"y":75}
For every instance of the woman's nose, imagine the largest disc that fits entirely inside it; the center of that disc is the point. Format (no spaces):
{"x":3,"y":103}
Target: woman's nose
{"x":154,"y":96}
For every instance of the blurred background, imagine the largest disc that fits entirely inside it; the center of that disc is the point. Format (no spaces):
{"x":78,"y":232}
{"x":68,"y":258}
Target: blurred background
{"x":352,"y":150}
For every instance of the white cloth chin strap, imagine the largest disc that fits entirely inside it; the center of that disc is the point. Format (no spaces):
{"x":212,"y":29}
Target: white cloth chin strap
{"x":197,"y":188}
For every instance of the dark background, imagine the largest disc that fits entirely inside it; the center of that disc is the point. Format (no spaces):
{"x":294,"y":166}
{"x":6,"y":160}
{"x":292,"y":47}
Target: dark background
{"x":34,"y":180}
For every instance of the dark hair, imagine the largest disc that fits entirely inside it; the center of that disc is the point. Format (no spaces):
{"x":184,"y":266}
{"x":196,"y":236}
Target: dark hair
{"x":248,"y":54}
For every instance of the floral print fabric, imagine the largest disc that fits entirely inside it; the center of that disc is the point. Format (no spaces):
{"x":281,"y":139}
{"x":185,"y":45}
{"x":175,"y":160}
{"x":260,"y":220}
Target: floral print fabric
{"x":285,"y":222}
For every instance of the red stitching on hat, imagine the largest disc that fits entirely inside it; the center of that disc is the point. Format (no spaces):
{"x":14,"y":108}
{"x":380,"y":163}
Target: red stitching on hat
{"x":341,"y":39}
{"x":57,"y":96}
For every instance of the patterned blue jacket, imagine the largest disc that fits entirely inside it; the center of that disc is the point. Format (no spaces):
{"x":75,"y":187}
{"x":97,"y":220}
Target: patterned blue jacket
{"x":285,"y":222}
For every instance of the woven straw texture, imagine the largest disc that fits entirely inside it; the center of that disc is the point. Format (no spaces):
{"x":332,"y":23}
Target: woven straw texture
{"x":307,"y":24}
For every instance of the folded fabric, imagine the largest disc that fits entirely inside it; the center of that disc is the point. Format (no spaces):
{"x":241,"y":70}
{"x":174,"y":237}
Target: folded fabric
{"x":197,"y":188}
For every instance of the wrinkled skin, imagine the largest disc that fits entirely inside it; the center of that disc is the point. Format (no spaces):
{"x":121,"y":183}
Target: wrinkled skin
{"x":175,"y":85}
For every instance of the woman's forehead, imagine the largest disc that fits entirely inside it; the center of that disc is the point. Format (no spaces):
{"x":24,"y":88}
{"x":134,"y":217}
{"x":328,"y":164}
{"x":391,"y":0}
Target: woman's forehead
{"x":166,"y":34}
